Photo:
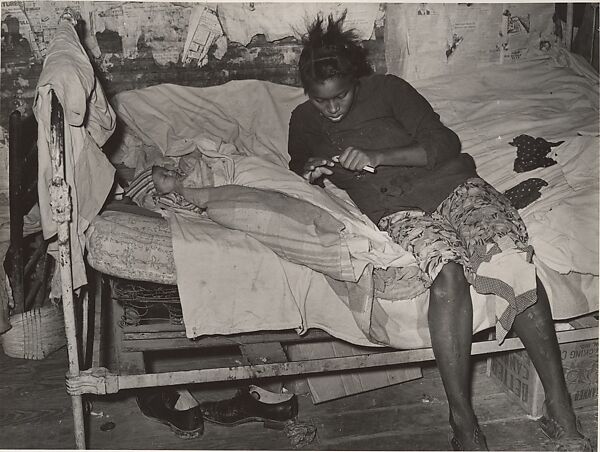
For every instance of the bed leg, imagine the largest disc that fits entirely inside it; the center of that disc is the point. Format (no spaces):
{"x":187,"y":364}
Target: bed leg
{"x":78,"y":421}
{"x":128,"y":363}
{"x":269,"y":352}
{"x":96,"y":293}
{"x":569,"y":26}
{"x":71,"y":330}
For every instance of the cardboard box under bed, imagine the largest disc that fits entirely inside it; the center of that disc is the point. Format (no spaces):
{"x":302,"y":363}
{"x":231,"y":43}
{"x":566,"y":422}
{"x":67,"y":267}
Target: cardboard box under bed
{"x":516,"y":374}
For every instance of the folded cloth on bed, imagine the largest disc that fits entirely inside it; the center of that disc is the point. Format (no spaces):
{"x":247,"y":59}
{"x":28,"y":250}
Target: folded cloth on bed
{"x":89,"y":122}
{"x":563,"y":223}
{"x":294,"y":229}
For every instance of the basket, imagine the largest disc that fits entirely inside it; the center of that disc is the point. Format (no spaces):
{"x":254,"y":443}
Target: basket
{"x":35,"y":333}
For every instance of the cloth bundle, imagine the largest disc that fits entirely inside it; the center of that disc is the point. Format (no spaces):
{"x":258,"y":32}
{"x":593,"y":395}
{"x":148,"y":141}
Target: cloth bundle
{"x":524,"y":193}
{"x":532,"y":153}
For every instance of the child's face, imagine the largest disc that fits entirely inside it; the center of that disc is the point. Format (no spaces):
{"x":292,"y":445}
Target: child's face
{"x":333,"y":98}
{"x":164,"y":179}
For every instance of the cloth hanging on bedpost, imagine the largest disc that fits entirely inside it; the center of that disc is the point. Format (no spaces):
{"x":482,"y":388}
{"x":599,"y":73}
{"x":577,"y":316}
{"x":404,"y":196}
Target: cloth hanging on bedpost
{"x":89,"y":121}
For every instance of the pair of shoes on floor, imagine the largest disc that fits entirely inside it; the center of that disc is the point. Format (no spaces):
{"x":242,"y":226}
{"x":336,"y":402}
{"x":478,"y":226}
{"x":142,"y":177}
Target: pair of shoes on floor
{"x":252,"y":404}
{"x":563,"y":441}
{"x":159,"y":405}
{"x":477,"y":441}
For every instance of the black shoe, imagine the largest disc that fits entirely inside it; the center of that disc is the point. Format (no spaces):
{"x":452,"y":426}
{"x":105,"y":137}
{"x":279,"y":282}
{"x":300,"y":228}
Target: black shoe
{"x":159,"y":405}
{"x":252,"y":404}
{"x":562,"y":441}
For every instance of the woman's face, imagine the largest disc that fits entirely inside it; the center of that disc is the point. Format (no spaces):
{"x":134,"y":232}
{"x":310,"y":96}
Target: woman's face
{"x":333,"y":98}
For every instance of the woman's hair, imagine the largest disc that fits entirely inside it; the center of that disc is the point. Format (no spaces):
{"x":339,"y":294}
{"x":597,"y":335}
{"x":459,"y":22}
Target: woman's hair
{"x":331,"y":53}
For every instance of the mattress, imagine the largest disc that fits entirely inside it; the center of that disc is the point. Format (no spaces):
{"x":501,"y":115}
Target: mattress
{"x":132,"y":243}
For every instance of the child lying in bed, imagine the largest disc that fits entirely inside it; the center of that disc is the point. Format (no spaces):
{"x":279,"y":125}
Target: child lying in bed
{"x":299,"y":223}
{"x":428,"y":197}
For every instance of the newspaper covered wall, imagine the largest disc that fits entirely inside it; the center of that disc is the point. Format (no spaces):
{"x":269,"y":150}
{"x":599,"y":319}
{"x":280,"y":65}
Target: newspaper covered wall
{"x":429,"y":39}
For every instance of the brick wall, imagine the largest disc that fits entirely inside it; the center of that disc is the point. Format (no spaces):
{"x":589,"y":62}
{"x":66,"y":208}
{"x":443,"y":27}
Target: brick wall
{"x":259,"y":59}
{"x":119,"y":67}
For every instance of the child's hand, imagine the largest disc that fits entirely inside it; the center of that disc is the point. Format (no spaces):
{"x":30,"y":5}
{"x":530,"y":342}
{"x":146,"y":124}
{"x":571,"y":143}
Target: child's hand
{"x":187,"y":165}
{"x":165,"y":180}
{"x":355,"y":159}
{"x":317,"y":167}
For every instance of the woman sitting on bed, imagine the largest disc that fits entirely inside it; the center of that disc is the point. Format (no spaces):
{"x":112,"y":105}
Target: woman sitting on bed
{"x":426,"y":194}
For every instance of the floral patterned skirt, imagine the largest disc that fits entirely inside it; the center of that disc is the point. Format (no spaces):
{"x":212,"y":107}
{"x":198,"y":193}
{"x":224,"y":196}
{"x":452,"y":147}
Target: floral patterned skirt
{"x":477,"y":227}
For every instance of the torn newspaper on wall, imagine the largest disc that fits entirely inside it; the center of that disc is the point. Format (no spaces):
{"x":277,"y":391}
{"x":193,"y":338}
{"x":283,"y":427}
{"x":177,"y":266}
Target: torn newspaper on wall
{"x":204,"y":30}
{"x":429,"y":39}
{"x":242,"y":21}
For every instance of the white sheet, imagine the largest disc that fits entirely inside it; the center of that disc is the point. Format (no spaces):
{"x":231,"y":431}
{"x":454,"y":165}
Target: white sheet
{"x":557,"y":99}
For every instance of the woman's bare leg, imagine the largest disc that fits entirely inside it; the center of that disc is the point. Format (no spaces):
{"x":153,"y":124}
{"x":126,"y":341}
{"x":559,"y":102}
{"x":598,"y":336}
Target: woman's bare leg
{"x":535,"y":328}
{"x":451,"y":329}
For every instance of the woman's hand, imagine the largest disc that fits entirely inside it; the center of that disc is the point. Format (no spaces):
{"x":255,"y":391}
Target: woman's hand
{"x":317,"y":167}
{"x":355,"y":159}
{"x":166,"y":180}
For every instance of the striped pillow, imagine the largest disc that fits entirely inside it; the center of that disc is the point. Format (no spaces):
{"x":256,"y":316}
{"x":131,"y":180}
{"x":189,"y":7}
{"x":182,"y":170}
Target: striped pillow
{"x":294,"y":229}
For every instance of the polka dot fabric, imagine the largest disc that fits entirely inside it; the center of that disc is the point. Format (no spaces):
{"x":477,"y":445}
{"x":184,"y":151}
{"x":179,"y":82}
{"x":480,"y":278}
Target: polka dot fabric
{"x":525,"y":193}
{"x":532,"y":153}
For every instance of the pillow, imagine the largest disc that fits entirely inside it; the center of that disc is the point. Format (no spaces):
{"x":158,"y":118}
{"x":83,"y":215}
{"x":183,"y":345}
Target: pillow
{"x":294,"y":229}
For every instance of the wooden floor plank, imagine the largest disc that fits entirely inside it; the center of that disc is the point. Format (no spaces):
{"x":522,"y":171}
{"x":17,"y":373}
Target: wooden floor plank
{"x":130,"y":426}
{"x":35,"y":412}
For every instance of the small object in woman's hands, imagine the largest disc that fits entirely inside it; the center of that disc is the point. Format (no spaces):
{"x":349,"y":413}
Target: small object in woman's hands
{"x":367,"y":168}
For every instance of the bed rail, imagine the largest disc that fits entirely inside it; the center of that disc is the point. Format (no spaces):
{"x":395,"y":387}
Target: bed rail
{"x":102,"y":381}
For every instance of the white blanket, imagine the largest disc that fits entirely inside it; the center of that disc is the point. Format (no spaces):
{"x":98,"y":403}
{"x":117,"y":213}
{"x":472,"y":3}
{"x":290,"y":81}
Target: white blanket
{"x":539,"y":99}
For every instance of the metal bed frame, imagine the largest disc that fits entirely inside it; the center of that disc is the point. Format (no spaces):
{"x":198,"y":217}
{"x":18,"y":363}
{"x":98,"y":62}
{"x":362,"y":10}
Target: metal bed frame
{"x":132,"y":342}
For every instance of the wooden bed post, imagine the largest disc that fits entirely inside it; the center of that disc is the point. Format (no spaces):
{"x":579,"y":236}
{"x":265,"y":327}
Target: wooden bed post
{"x":60,"y":201}
{"x":15,"y":183}
{"x":569,"y":31}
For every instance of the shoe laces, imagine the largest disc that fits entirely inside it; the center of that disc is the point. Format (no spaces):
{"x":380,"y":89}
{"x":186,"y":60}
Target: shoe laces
{"x":557,"y":433}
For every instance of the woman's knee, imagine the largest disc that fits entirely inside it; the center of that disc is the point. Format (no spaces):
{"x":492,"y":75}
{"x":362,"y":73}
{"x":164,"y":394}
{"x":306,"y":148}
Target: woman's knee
{"x":450,"y":283}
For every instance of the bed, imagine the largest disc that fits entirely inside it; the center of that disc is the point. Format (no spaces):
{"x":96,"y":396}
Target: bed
{"x":138,"y":259}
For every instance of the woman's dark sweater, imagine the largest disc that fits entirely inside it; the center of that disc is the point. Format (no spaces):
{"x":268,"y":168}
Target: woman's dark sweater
{"x":387,"y":112}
